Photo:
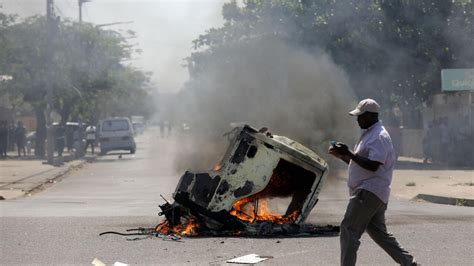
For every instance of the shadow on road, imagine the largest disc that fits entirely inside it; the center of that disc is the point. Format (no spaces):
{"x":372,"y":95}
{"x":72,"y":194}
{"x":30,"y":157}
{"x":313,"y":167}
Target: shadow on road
{"x":413,"y":165}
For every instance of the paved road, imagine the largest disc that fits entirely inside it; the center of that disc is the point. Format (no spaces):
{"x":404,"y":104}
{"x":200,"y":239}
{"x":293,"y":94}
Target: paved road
{"x":61,"y":224}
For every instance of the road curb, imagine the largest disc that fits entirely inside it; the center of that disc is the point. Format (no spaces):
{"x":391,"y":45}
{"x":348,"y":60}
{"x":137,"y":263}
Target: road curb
{"x":446,"y":200}
{"x":56,"y":178}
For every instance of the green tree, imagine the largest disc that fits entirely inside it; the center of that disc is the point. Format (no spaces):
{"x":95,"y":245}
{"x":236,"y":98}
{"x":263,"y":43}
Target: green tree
{"x":391,"y":50}
{"x":87,"y":78}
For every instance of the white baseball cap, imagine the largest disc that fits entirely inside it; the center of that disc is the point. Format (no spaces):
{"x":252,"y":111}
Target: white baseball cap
{"x":366,"y":105}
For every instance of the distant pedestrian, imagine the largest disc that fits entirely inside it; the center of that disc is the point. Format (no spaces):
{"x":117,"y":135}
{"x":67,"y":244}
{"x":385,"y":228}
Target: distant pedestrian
{"x":428,"y":143}
{"x":3,"y":138}
{"x":11,"y":142}
{"x":370,"y":175}
{"x":80,"y":131}
{"x":161,"y":124}
{"x":60,"y":139}
{"x":90,"y":137}
{"x":444,"y":147}
{"x":69,"y":137}
{"x":78,"y":144}
{"x":20,"y":138}
{"x":170,"y":128}
{"x":435,"y":141}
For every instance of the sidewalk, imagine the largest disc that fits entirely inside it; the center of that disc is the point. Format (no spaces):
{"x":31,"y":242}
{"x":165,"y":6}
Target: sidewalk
{"x":22,"y":176}
{"x":442,"y":184}
{"x":414,"y":180}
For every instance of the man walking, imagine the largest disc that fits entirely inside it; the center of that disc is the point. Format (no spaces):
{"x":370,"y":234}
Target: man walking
{"x":370,"y":175}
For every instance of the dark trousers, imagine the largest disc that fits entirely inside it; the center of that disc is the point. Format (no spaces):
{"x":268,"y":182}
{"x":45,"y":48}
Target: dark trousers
{"x":21,"y":148}
{"x":89,"y":142}
{"x":367,"y":212}
{"x":60,"y":146}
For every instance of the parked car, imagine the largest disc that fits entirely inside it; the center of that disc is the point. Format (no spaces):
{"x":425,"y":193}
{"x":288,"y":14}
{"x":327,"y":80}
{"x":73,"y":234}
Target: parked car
{"x":116,"y":134}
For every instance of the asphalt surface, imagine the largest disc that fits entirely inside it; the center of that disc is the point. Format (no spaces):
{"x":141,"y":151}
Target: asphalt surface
{"x":61,"y":225}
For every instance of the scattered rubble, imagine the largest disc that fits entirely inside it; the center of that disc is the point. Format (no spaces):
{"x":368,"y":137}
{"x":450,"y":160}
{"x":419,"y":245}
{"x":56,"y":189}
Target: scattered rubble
{"x":265,"y":186}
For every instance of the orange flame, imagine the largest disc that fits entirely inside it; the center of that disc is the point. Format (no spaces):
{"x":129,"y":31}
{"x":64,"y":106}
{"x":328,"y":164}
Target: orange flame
{"x":188,"y":228}
{"x":217,"y":167}
{"x":256,"y":209}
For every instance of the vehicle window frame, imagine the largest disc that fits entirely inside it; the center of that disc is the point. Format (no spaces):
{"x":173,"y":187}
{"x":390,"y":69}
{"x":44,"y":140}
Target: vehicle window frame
{"x":110,"y":128}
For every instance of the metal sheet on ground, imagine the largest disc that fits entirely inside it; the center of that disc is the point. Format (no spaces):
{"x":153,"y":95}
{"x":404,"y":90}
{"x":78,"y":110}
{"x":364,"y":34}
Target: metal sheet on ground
{"x":248,"y":259}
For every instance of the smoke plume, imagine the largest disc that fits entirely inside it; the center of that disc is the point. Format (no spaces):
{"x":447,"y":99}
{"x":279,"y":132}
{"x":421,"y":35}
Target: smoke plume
{"x":268,"y":83}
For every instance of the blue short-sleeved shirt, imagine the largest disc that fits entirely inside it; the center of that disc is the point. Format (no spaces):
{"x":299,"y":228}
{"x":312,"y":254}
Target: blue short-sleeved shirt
{"x":376,"y":145}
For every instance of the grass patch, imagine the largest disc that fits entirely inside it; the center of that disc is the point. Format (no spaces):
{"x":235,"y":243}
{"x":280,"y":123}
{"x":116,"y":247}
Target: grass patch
{"x":410,"y":184}
{"x":460,"y":202}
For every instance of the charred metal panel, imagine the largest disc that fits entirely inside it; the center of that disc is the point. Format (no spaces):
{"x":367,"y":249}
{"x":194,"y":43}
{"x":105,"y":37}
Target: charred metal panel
{"x":249,"y":164}
{"x":252,"y":151}
{"x":223,"y":188}
{"x":201,"y":187}
{"x":244,"y":190}
{"x":224,"y":219}
{"x":204,"y":188}
{"x":186,"y":181}
{"x":256,"y":170}
{"x":240,"y":152}
{"x":172,"y":213}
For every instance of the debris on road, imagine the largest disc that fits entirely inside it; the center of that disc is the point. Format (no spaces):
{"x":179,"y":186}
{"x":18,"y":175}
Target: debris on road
{"x":265,"y":185}
{"x":249,"y":259}
{"x":97,"y":262}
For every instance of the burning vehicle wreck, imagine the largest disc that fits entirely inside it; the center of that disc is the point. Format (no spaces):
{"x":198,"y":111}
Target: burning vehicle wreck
{"x":264,"y":185}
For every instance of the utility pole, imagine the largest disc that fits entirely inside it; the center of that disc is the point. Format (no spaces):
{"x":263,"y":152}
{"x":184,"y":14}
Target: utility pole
{"x":80,"y":2}
{"x":51,"y":24}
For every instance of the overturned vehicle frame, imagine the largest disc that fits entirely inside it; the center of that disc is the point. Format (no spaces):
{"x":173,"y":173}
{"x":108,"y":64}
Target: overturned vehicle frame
{"x":264,"y":184}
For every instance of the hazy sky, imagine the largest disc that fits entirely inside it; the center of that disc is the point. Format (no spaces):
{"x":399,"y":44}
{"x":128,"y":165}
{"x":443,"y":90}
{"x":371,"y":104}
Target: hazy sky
{"x":165,"y":28}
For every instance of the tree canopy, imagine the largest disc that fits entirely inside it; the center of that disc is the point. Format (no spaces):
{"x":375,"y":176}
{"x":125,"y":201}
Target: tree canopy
{"x":87,"y":73}
{"x":390,"y":50}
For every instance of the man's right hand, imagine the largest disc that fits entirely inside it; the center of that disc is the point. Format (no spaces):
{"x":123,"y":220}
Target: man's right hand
{"x":340,"y":151}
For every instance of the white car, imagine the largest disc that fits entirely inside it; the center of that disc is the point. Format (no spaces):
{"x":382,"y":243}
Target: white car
{"x":116,"y":134}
